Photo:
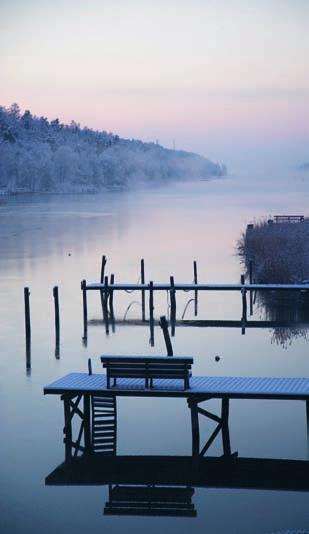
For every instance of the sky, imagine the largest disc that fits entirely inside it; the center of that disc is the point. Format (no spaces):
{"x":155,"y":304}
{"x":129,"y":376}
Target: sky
{"x":226,"y":78}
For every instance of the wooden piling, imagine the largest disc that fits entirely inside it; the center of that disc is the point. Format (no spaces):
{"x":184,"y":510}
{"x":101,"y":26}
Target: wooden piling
{"x":167,"y":339}
{"x":57,"y":320}
{"x":67,"y":428}
{"x":103,"y":263}
{"x":27,"y":327}
{"x":27,"y":313}
{"x":307,"y":419}
{"x":251,"y":281}
{"x":151,"y":308}
{"x":85,"y":311}
{"x":244,"y":305}
{"x":195,"y":292}
{"x":143,"y":291}
{"x":87,"y":425}
{"x":173,"y":305}
{"x":194,"y":428}
{"x":105,"y":304}
{"x":111,"y":302}
{"x":225,"y":427}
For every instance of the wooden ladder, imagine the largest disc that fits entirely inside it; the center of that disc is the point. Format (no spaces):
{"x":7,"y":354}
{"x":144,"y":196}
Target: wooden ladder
{"x":104,"y":424}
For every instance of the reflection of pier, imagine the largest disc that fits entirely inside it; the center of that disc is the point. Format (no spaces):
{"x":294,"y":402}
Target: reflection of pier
{"x":217,"y":472}
{"x":165,"y":485}
{"x":149,"y":500}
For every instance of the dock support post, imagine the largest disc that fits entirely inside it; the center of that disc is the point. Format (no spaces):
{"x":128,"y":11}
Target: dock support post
{"x":103,"y":263}
{"x":111,"y":302}
{"x":27,"y":327}
{"x":57,"y":320}
{"x":194,"y":427}
{"x":244,"y":304}
{"x":251,"y":281}
{"x":173,"y":305}
{"x":67,"y":428}
{"x":307,"y":417}
{"x":151,"y":308}
{"x":195,"y":282}
{"x":87,"y":429}
{"x":105,"y":304}
{"x":85,"y":312}
{"x":226,"y":444}
{"x":143,"y":291}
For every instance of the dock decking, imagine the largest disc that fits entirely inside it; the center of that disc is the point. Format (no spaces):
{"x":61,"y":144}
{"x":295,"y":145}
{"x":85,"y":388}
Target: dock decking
{"x":200,"y":386}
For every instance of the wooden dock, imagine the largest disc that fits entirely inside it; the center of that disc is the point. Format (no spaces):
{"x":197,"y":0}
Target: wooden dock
{"x":108,"y":288}
{"x":79,"y":391}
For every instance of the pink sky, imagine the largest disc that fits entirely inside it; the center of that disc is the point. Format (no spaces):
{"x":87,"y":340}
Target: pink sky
{"x":208,"y":75}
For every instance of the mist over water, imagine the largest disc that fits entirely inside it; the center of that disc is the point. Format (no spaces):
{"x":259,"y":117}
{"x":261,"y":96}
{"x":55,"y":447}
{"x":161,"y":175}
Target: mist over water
{"x":48,"y":240}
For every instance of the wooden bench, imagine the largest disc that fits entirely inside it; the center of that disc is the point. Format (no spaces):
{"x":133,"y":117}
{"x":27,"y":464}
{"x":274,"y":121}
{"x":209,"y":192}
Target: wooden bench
{"x":147,"y":368}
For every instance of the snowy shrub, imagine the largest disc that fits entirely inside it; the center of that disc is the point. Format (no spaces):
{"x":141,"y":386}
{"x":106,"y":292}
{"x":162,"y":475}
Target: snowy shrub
{"x":279,"y":252}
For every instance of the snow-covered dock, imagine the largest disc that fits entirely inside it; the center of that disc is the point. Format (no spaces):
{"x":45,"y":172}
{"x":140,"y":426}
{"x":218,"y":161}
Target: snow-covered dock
{"x":99,"y":417}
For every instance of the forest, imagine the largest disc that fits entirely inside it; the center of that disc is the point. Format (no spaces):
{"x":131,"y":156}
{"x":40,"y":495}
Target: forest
{"x":38,"y":155}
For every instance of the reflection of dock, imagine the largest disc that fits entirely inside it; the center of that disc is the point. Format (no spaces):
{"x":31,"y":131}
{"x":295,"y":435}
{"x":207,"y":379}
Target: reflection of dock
{"x":208,"y":323}
{"x":184,"y":471}
{"x":150,"y":500}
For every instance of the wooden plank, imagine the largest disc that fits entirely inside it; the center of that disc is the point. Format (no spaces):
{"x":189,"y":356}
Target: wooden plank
{"x":145,"y":358}
{"x":201,"y":287}
{"x":212,"y":386}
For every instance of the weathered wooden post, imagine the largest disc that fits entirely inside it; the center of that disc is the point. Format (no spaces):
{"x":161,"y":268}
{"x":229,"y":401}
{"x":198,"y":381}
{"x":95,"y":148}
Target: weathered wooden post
{"x":226,"y":444}
{"x":85,"y":312}
{"x":194,"y":427}
{"x":244,"y":304}
{"x":195,"y":282}
{"x":143,"y":291}
{"x":87,"y":427}
{"x":151,"y":308}
{"x":103,"y":263}
{"x":307,"y":417}
{"x":105,"y":304}
{"x":57,"y":320}
{"x":111,"y":302}
{"x":173,"y":305}
{"x":27,"y":312}
{"x":67,"y":428}
{"x":167,"y":339}
{"x":27,"y":327}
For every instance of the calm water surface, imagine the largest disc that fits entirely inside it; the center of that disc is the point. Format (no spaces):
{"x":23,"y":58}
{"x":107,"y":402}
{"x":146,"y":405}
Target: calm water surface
{"x":49,"y":240}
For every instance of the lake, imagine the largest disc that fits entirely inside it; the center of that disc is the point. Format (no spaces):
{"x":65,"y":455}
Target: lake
{"x":48,"y":240}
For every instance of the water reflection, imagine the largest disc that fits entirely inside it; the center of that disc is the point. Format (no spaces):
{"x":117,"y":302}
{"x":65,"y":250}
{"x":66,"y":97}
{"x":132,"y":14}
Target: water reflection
{"x":290,"y":310}
{"x":165,"y":485}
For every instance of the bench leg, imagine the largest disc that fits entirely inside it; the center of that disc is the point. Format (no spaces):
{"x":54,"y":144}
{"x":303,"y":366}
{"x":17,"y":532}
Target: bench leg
{"x":115,"y":382}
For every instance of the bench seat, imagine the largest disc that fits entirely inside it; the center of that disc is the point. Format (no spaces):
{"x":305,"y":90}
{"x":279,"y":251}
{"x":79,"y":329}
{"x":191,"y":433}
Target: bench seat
{"x":147,"y":368}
